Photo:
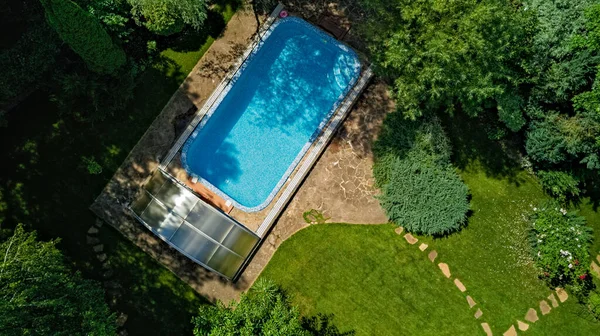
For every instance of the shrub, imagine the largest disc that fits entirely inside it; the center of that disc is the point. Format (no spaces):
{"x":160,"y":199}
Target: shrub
{"x":559,"y":184}
{"x":560,"y":244}
{"x":419,"y":187}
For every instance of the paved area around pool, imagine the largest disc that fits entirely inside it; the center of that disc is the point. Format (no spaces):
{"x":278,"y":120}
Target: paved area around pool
{"x":340,"y":184}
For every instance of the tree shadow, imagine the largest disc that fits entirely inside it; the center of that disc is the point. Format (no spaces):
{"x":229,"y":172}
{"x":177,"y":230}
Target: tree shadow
{"x":190,"y":39}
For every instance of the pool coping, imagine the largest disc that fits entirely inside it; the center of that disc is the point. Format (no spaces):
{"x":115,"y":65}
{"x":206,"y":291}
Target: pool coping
{"x":313,"y":138}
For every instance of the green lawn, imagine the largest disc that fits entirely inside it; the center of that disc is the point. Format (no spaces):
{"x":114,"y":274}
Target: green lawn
{"x":369,"y":278}
{"x":46,"y":187}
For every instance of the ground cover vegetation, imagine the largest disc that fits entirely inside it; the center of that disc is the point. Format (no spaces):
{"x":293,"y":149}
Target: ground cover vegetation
{"x":40,"y":295}
{"x":67,"y":127}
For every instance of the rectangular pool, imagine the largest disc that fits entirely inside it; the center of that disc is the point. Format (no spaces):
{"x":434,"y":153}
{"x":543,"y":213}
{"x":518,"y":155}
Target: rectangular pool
{"x":255,"y":134}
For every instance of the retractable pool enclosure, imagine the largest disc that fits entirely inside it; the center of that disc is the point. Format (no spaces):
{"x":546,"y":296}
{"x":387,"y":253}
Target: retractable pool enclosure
{"x":193,"y":227}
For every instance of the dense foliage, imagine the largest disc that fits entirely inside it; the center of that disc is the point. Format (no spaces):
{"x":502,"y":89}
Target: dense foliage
{"x":40,"y":295}
{"x":420,"y":189}
{"x":560,"y":243}
{"x":166,"y":17}
{"x":84,"y":34}
{"x":448,"y":54}
{"x":263,"y":310}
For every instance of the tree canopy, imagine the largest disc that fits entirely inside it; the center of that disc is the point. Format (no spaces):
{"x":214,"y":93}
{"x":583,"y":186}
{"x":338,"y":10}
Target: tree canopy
{"x":166,"y":17}
{"x":85,"y":35}
{"x":40,"y":295}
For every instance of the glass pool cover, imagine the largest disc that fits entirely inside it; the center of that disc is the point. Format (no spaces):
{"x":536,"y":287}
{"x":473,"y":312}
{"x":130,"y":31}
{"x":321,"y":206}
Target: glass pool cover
{"x":276,"y":105}
{"x":193,"y":227}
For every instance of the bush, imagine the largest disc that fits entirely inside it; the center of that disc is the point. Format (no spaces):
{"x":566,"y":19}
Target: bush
{"x":420,"y":189}
{"x":559,"y":184}
{"x":560,"y":242}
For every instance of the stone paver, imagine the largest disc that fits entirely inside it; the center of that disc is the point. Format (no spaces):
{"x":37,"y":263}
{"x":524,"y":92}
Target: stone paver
{"x":460,"y":285}
{"x":552,"y":299}
{"x":545,"y":307}
{"x":99,"y":222}
{"x":511,"y":331}
{"x":487,"y":329}
{"x":522,"y":325}
{"x":478,"y":313}
{"x":595,"y":268}
{"x":91,"y":240}
{"x":93,"y":230}
{"x":98,"y":248}
{"x":470,"y":301}
{"x":531,"y":315}
{"x":399,"y":230}
{"x":121,"y":319}
{"x":410,"y":239}
{"x":445,"y":269}
{"x":432,"y":255}
{"x":101,"y":257}
{"x":562,"y":294}
{"x":423,"y":247}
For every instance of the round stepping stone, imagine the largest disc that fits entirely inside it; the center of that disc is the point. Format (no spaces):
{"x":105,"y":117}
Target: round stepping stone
{"x":460,"y":285}
{"x":121,"y":319}
{"x":562,"y":294}
{"x":445,"y":269}
{"x":552,"y":299}
{"x":486,"y":328}
{"x":93,"y":230}
{"x":101,"y":257}
{"x":99,"y":248}
{"x":91,"y":240}
{"x":432,"y":255}
{"x":423,"y":247}
{"x":471,"y":302}
{"x":511,"y":331}
{"x":98,"y":222}
{"x":522,"y":325}
{"x":478,"y":313}
{"x":399,"y":230}
{"x":544,"y":307}
{"x":531,"y":315}
{"x":410,"y":239}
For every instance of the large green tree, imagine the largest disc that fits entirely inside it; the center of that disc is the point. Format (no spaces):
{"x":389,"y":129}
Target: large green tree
{"x":40,"y":295}
{"x":85,"y":35}
{"x":449,"y":54}
{"x":166,"y":17}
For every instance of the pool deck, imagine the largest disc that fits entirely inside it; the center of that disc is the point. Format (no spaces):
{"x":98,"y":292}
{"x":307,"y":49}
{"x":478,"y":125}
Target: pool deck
{"x":339,"y":184}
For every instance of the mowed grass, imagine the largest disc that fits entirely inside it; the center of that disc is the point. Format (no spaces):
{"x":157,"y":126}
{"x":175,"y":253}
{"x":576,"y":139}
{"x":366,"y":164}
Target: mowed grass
{"x":371,"y":280}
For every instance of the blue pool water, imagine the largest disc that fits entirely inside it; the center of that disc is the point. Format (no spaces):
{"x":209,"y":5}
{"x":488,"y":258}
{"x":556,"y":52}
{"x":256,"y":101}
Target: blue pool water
{"x":250,"y":141}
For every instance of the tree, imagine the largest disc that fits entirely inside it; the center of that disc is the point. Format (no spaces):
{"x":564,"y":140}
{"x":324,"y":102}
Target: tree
{"x":449,"y":54}
{"x":420,"y":189}
{"x":40,"y":295}
{"x":85,"y":35}
{"x":166,"y":17}
{"x":263,"y":310}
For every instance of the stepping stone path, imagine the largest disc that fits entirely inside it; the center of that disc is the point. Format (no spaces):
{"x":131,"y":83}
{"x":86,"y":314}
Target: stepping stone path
{"x":445,"y":269}
{"x":471,"y":301}
{"x":511,"y":331}
{"x":432,"y":255}
{"x":522,"y":325}
{"x":92,"y":240}
{"x":552,"y":299}
{"x":99,"y":248}
{"x":423,"y":247}
{"x":460,"y":285}
{"x":544,"y":307}
{"x":478,"y":313}
{"x":531,"y":315}
{"x":410,"y":239}
{"x":399,"y":230}
{"x":486,"y":328}
{"x":595,"y":268}
{"x":562,"y":294}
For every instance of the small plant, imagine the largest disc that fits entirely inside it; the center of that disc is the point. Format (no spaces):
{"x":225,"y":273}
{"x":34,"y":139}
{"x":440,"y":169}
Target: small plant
{"x":559,"y":184}
{"x":560,"y":242}
{"x":314,"y":217}
{"x":93,"y":167}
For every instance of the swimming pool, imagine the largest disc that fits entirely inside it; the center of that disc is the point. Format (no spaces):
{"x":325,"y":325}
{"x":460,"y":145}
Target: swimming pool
{"x":265,"y":120}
